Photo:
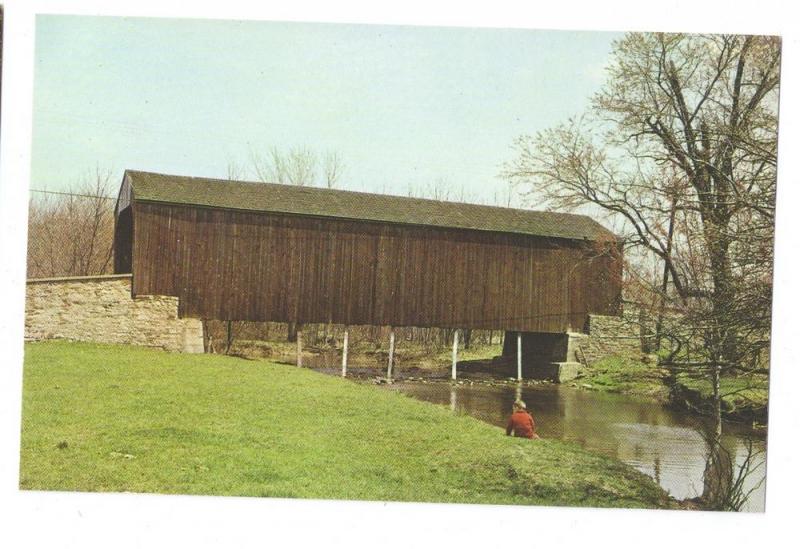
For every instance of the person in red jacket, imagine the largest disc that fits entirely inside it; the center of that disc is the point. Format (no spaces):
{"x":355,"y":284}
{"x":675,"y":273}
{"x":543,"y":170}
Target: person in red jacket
{"x":521,"y":422}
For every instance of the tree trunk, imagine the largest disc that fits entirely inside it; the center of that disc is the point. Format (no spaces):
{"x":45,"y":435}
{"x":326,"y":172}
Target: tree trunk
{"x":718,"y":474}
{"x":665,"y":277}
{"x":467,"y":333}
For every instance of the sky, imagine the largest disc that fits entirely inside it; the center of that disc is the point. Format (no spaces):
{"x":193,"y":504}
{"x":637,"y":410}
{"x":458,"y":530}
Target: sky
{"x":404,"y":107}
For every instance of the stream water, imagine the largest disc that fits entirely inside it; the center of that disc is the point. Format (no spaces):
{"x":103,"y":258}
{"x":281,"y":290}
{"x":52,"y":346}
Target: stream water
{"x":667,"y":445}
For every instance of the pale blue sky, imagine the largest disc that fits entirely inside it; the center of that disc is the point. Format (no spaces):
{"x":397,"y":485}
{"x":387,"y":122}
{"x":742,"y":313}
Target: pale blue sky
{"x":402,"y":105}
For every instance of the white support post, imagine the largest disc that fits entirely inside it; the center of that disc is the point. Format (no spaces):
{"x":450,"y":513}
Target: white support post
{"x":519,"y":356}
{"x":299,"y":348}
{"x":391,"y":354}
{"x":455,"y":354}
{"x":344,"y":354}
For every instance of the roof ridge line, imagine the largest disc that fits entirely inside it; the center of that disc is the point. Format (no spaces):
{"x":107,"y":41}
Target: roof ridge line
{"x":359,"y":205}
{"x":350,"y":191}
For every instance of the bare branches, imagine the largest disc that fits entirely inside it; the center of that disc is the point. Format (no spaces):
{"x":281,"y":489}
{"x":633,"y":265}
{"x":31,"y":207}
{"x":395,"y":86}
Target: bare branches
{"x":728,"y":481}
{"x":332,"y":168}
{"x":299,"y":166}
{"x":679,"y":151}
{"x":71,"y":233}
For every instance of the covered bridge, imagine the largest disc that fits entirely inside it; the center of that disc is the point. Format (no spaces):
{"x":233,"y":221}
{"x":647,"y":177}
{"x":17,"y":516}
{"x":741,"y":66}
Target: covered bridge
{"x":236,"y":250}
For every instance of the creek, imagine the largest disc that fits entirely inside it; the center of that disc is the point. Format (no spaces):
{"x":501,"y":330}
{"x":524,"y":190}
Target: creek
{"x":667,"y":445}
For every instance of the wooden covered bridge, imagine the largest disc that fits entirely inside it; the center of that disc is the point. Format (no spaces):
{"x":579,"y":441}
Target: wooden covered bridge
{"x":233,"y":250}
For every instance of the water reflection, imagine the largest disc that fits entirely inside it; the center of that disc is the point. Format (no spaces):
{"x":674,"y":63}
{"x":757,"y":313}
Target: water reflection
{"x":668,"y":446}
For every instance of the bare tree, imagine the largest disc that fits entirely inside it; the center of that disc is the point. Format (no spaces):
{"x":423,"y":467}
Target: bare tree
{"x":441,"y":189}
{"x":680,"y":150}
{"x":332,"y":169}
{"x":506,"y":197}
{"x":299,"y":166}
{"x":71,"y":233}
{"x":235,"y":171}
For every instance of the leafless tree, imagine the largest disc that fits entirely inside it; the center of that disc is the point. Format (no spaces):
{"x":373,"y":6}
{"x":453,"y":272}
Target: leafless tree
{"x":441,"y":189}
{"x":71,"y":233}
{"x":505,"y":197}
{"x":299,"y":166}
{"x":332,"y":168}
{"x":680,"y":150}
{"x":235,"y":171}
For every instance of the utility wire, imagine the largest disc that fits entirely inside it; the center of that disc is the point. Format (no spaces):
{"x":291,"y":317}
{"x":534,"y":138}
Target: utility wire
{"x":74,"y":194}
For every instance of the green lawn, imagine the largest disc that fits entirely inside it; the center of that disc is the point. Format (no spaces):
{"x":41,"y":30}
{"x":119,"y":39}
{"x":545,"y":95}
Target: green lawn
{"x":117,"y":418}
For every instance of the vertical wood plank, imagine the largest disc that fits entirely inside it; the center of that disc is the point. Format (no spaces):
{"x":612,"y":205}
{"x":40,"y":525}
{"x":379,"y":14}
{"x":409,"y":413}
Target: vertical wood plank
{"x":272,"y":267}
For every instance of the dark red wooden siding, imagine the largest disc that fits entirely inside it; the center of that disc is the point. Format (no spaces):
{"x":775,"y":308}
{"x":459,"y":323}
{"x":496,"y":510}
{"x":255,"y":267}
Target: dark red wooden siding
{"x":238,"y":265}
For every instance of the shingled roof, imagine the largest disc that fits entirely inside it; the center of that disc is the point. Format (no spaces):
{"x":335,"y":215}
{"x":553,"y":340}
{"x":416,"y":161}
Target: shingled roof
{"x":333,"y":203}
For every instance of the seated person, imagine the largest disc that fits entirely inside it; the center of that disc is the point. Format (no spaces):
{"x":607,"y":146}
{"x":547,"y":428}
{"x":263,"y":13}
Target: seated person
{"x":521,"y":422}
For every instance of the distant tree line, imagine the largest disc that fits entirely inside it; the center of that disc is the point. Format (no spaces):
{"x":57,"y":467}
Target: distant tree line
{"x":225,"y":335}
{"x":71,"y":233}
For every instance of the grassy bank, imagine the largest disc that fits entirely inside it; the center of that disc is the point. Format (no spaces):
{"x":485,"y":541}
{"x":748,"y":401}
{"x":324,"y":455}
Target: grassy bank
{"x":114,"y":418}
{"x":627,"y":375}
{"x":744,"y":397}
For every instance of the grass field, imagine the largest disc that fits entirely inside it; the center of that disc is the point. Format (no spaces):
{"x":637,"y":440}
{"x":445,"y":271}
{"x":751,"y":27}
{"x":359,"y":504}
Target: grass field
{"x":116,"y":418}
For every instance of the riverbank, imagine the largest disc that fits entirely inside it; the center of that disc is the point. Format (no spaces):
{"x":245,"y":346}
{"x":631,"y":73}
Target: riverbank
{"x":628,"y":376}
{"x":117,"y":418}
{"x":744,"y":399}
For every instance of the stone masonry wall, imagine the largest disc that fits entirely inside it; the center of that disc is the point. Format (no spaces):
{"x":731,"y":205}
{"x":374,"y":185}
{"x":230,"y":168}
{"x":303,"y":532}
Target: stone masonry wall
{"x":100,"y":309}
{"x":611,"y":335}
